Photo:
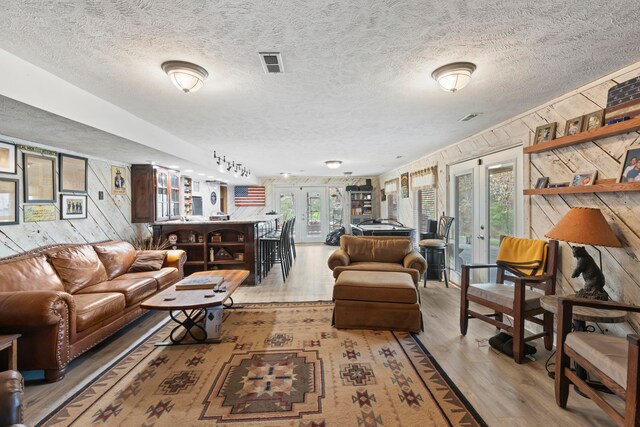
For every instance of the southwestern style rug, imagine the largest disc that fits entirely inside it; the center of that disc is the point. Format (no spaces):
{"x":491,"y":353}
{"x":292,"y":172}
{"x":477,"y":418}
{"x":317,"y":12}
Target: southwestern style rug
{"x":280,"y":364}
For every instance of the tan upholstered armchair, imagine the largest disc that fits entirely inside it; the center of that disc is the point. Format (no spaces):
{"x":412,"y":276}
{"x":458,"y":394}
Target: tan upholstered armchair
{"x":613,"y":360}
{"x":377,"y":253}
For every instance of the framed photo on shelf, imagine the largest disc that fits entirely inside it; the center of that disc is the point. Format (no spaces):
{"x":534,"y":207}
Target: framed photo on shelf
{"x":8,"y":158}
{"x":39,"y":182}
{"x":9,"y":201}
{"x":583,"y":178}
{"x":573,"y":126}
{"x":593,"y":120}
{"x":542,"y":182}
{"x":630,"y":166}
{"x":73,"y":206}
{"x":545,"y":133}
{"x":73,"y":173}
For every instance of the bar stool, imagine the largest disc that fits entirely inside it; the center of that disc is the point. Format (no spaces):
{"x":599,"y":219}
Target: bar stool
{"x":435,"y":250}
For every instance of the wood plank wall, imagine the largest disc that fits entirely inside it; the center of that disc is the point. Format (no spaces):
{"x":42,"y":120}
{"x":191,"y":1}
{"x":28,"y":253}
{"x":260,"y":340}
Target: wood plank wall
{"x":621,"y":266}
{"x":270,"y":184}
{"x":109,"y":218}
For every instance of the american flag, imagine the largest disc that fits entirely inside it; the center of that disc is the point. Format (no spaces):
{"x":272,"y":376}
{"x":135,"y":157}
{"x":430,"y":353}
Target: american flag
{"x":249,"y":195}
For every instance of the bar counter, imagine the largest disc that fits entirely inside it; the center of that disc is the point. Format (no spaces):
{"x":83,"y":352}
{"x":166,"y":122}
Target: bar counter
{"x":217,"y":245}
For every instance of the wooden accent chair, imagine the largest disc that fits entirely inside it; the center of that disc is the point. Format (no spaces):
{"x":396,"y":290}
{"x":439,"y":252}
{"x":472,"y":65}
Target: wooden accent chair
{"x":519,"y":301}
{"x":613,"y":360}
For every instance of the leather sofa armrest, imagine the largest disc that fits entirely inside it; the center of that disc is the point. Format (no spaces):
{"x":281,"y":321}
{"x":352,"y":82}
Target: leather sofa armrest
{"x":176,"y":258}
{"x":339,"y":257}
{"x":11,"y":398}
{"x":414,"y":260}
{"x":36,"y":308}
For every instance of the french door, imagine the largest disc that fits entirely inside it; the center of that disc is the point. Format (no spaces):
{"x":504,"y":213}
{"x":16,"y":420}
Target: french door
{"x":486,"y":201}
{"x":310,"y":206}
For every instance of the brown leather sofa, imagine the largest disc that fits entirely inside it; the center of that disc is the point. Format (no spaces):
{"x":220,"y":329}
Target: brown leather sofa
{"x":377,"y":253}
{"x":65,"y":299}
{"x":11,"y":398}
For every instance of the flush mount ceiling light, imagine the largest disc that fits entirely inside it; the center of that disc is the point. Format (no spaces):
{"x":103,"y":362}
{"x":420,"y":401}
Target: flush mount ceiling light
{"x":453,"y":77}
{"x":333,"y":164}
{"x":186,"y":76}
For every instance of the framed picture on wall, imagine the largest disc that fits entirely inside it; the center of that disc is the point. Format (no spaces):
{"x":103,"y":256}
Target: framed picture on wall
{"x":9,"y":201}
{"x":73,"y":173}
{"x":39,"y":183}
{"x":630,"y":166}
{"x":545,"y":133}
{"x":73,"y":206}
{"x":118,"y":180}
{"x":404,"y":185}
{"x":8,"y":158}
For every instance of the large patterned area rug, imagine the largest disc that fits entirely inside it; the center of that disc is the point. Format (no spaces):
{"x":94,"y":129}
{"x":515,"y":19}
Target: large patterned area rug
{"x":278,"y":365}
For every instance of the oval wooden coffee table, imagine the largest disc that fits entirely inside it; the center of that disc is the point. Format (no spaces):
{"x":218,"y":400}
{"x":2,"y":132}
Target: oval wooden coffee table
{"x":193,"y":304}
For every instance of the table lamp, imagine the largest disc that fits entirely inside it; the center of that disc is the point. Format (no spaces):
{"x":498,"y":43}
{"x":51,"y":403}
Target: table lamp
{"x":589,"y":227}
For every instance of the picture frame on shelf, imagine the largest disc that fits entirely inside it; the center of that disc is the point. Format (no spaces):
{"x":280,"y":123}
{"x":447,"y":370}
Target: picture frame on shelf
{"x":39,"y":178}
{"x":630,"y":166}
{"x":73,"y":206}
{"x":545,"y":133}
{"x":9,"y":201}
{"x":593,"y":121}
{"x":573,"y":126}
{"x":73,"y":173}
{"x":580,"y":179}
{"x":542,"y":182}
{"x":8,"y":158}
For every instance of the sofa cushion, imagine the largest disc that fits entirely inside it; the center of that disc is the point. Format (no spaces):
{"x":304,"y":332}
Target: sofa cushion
{"x":148,"y":261}
{"x":377,"y":266}
{"x":32,"y":273}
{"x":78,"y":266}
{"x":164,"y":277}
{"x":117,"y":257}
{"x":381,"y":286}
{"x":92,"y":309}
{"x":133,"y":289}
{"x":378,"y":249}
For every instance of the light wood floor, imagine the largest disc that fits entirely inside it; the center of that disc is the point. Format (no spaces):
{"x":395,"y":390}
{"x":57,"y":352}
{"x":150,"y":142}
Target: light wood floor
{"x":503,"y":393}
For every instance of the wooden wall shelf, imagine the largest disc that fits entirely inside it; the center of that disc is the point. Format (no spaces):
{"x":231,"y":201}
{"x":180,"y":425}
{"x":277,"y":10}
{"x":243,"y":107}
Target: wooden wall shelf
{"x":608,"y":185}
{"x":590,"y":135}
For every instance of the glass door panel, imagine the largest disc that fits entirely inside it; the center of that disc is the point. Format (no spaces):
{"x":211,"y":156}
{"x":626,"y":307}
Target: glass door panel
{"x":464,"y":220}
{"x":162,"y":196}
{"x":501,"y":219}
{"x":310,"y":206}
{"x":287,"y":203}
{"x":315,"y":217}
{"x":336,"y":209}
{"x":175,"y":195}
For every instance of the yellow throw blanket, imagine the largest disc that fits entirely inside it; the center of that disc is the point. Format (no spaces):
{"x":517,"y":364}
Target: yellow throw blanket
{"x":523,"y":256}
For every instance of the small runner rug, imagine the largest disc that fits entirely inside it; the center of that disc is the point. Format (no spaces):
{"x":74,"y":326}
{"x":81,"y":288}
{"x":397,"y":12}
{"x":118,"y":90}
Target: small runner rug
{"x":280,"y":364}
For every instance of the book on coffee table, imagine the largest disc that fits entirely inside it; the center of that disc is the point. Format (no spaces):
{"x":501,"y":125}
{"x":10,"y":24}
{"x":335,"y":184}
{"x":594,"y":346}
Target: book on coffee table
{"x":206,"y":282}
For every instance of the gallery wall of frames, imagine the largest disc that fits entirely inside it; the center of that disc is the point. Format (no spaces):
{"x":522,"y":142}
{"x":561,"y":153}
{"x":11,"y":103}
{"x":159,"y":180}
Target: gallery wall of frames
{"x":48,"y":196}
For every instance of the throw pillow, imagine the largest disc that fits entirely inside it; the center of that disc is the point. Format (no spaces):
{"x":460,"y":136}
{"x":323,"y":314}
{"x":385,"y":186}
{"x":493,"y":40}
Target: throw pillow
{"x":148,"y":261}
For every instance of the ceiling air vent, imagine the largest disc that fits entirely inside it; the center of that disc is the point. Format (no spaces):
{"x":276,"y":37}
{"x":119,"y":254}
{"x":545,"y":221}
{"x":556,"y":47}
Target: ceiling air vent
{"x":271,"y":62}
{"x":469,"y":117}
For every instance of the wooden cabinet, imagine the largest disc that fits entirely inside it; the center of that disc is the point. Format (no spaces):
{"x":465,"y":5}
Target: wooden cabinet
{"x":155,"y":194}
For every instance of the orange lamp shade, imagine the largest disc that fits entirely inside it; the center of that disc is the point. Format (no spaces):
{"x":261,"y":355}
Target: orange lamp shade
{"x":585,"y":226}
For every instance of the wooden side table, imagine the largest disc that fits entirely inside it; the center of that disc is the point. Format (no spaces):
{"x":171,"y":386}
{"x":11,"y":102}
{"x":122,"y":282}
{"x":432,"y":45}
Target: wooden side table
{"x":11,"y":342}
{"x":582,"y":315}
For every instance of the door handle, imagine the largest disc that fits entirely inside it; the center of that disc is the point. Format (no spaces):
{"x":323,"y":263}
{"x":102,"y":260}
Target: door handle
{"x":480,"y":237}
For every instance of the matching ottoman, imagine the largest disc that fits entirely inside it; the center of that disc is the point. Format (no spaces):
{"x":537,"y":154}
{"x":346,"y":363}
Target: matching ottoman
{"x":376,"y":300}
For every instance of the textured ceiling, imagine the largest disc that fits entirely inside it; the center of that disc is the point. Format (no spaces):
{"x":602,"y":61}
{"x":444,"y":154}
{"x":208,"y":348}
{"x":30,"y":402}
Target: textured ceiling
{"x":357,"y":83}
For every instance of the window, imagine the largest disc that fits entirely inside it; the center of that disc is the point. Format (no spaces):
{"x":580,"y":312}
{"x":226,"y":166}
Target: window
{"x":427,"y":208}
{"x":392,"y":206}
